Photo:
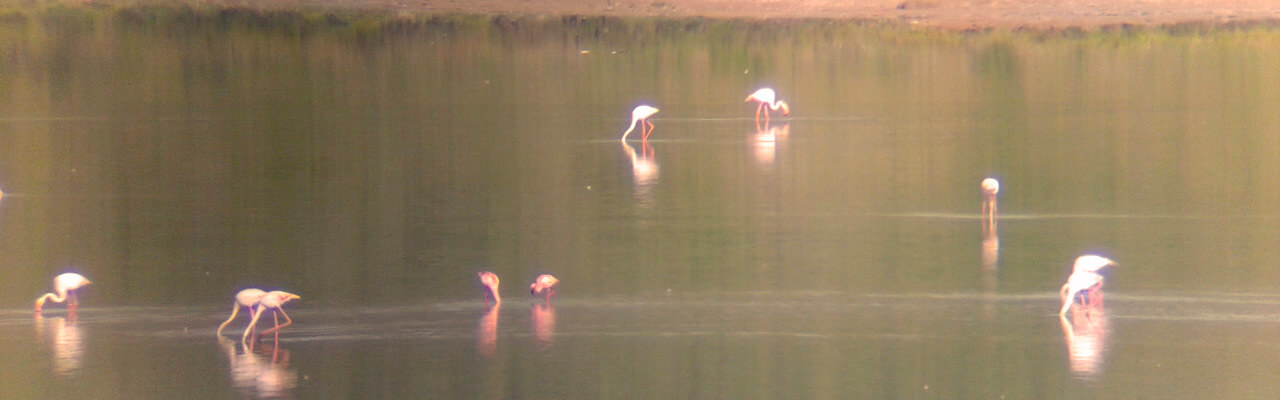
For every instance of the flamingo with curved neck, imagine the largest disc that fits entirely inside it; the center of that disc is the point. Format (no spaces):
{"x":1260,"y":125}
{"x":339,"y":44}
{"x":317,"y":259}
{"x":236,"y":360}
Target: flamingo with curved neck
{"x":248,"y":298}
{"x":274,"y":301}
{"x":641,"y":114}
{"x":766,"y":97}
{"x":65,"y":285}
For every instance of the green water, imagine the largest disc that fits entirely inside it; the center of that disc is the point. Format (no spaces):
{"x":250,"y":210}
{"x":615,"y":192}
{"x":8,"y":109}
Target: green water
{"x":373,"y":163}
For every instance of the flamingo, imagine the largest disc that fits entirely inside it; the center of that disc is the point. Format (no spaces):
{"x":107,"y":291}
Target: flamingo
{"x":544,"y":285}
{"x":990,"y":187}
{"x":248,"y":298}
{"x":65,"y":285}
{"x":641,"y":114}
{"x":490,"y":282}
{"x":1084,"y":276}
{"x":274,"y":301}
{"x":766,"y":97}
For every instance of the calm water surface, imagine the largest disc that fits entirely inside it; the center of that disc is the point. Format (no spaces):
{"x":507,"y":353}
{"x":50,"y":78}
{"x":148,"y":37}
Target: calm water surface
{"x":374,"y":165}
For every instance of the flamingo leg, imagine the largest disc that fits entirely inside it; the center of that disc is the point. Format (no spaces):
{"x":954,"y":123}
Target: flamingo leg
{"x":72,"y":302}
{"x":648,"y":132}
{"x":1067,"y":300}
{"x":993,"y":213}
{"x":245,"y":338}
{"x":287,"y":321}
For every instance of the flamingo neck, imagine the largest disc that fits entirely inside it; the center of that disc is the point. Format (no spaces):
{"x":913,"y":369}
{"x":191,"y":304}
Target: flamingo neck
{"x":778,"y":104}
{"x":629,"y":129}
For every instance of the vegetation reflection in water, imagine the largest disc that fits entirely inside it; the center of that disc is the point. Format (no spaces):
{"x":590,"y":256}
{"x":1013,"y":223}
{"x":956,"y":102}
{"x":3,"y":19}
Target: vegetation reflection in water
{"x":382,"y":159}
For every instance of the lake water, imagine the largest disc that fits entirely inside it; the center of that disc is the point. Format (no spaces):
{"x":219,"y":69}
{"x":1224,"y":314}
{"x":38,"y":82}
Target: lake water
{"x":373,"y":164}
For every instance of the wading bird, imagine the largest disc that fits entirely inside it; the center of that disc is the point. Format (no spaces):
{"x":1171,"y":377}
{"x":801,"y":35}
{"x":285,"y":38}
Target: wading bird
{"x":1084,"y":277}
{"x":641,"y":115}
{"x":248,"y":298}
{"x":544,"y":285}
{"x":490,"y":282}
{"x":990,"y":187}
{"x":766,"y":98}
{"x":65,"y":285}
{"x":274,"y":301}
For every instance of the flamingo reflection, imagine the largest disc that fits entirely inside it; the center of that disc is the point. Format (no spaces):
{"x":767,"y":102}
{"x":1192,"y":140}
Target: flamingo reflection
{"x":644,"y":169}
{"x":68,"y":343}
{"x":990,"y":186}
{"x":487,"y":332}
{"x":1086,"y":336}
{"x":543,"y":316}
{"x":1085,"y":277}
{"x":765,"y":142}
{"x":262,"y":373}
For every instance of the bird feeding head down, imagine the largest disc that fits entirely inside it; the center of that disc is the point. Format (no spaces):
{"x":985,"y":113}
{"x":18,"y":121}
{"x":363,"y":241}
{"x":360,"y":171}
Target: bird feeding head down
{"x":544,"y":284}
{"x":767,"y":97}
{"x":63,"y":285}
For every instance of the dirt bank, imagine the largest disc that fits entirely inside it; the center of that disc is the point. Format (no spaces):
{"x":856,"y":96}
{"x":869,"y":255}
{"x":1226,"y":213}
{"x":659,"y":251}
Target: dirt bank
{"x":943,"y":14}
{"x":947,"y":14}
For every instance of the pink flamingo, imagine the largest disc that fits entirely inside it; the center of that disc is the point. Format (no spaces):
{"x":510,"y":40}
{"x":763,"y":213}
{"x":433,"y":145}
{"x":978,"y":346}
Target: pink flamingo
{"x":766,"y":97}
{"x":65,"y":285}
{"x":544,"y":285}
{"x":990,"y":187}
{"x":274,"y":301}
{"x":248,"y":298}
{"x":1084,"y":277}
{"x":490,"y":282}
{"x":641,"y":114}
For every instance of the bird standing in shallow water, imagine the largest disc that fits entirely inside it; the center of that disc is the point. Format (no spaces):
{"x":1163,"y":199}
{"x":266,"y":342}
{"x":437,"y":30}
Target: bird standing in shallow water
{"x":641,"y":115}
{"x":766,"y":97}
{"x":65,"y":285}
{"x":274,"y":301}
{"x":248,"y":298}
{"x":1085,"y":276}
{"x":544,"y":285}
{"x":490,"y":282}
{"x":990,"y":187}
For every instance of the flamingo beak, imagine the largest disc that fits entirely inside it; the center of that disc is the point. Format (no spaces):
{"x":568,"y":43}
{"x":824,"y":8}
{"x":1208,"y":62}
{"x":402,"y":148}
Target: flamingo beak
{"x":748,"y":99}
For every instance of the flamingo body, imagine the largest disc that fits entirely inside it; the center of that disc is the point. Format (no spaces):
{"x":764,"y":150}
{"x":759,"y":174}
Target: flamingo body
{"x":273,"y":301}
{"x":641,"y":114}
{"x":990,"y":186}
{"x":490,"y":282}
{"x":248,"y":298}
{"x":544,"y":285}
{"x":64,"y":285}
{"x":1084,"y":276}
{"x":766,"y":97}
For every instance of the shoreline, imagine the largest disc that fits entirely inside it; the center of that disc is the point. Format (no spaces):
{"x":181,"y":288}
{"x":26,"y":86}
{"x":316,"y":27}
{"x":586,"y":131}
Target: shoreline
{"x":943,"y":15}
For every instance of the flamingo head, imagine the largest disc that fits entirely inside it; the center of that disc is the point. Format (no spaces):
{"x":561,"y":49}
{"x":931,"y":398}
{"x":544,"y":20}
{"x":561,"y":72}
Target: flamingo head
{"x":782,"y":105}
